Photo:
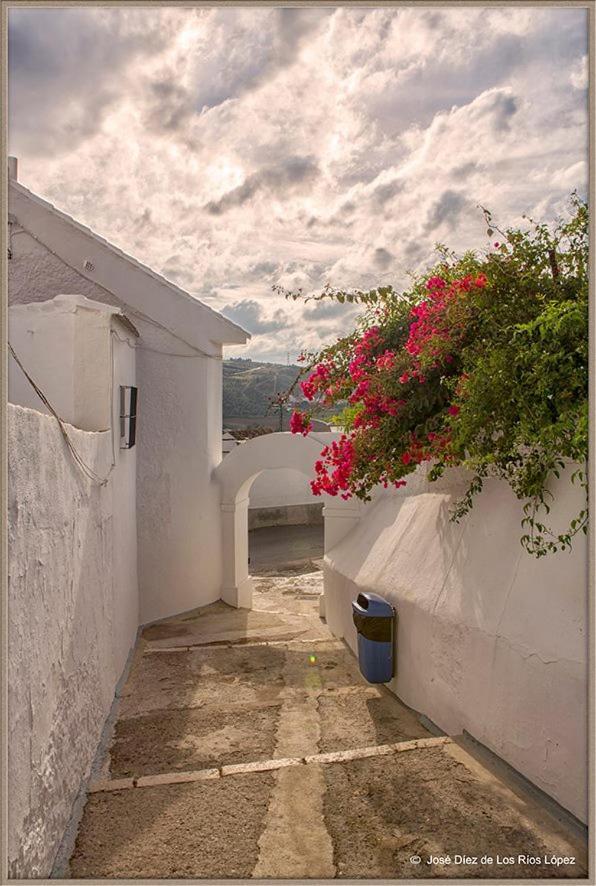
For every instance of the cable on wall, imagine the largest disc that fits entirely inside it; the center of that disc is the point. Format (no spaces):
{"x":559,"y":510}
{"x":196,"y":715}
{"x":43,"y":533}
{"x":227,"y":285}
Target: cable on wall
{"x":129,"y":310}
{"x":88,"y":471}
{"x":134,"y":347}
{"x":142,"y":316}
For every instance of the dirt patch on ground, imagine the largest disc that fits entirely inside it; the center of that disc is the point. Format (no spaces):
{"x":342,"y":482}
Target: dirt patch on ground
{"x":316,"y":668}
{"x":180,"y":740}
{"x":216,"y":625}
{"x":164,"y":631}
{"x":381,"y":812}
{"x":207,"y":830}
{"x":213,"y":675}
{"x":359,"y":719}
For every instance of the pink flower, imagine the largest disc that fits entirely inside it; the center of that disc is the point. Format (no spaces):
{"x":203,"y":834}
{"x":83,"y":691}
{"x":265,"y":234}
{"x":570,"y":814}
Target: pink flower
{"x":300,"y":423}
{"x":406,"y":458}
{"x":453,"y":410}
{"x":385,"y":361}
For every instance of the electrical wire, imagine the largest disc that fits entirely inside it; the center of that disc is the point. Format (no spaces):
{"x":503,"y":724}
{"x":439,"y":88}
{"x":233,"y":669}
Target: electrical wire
{"x":142,"y":316}
{"x":134,"y":347}
{"x":129,"y":310}
{"x":88,"y":471}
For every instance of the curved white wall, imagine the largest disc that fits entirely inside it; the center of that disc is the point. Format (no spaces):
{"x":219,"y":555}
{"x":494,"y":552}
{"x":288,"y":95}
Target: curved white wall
{"x":281,"y":488}
{"x":489,"y":639}
{"x":237,"y":473}
{"x":240,"y":469}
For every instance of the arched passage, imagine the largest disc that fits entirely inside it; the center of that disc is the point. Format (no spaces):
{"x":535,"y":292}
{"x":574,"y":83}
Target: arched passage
{"x":236,"y":475}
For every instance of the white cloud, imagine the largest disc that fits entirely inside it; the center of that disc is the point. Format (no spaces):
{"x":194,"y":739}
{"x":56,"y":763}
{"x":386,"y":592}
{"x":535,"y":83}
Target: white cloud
{"x":236,"y":148}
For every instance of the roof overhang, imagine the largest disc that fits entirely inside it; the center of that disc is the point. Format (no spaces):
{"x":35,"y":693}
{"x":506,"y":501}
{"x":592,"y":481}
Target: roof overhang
{"x":143,"y":291}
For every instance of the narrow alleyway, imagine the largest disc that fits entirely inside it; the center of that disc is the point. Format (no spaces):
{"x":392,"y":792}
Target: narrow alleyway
{"x":280,"y":547}
{"x":248,"y":745}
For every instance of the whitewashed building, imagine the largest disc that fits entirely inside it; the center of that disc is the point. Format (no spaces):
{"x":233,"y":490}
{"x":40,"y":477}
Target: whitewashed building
{"x":114,"y":513}
{"x":178,"y":364}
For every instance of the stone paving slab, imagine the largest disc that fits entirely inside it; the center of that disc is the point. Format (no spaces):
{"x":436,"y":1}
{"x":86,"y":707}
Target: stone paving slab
{"x":170,"y":740}
{"x":213,"y":625}
{"x":287,"y":593}
{"x":264,"y":765}
{"x":204,"y":830}
{"x":212,"y":675}
{"x":237,"y":676}
{"x":365,"y":718}
{"x":439,"y":803}
{"x":318,"y":668}
{"x":342,"y":815}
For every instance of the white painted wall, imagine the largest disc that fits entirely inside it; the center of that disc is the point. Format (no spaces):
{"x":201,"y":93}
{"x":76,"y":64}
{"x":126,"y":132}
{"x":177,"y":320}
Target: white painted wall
{"x":281,"y":488}
{"x":178,"y":500}
{"x":65,"y":344}
{"x":75,"y":601}
{"x":236,"y":475}
{"x":489,"y":639}
{"x":178,"y":439}
{"x":79,"y":353}
{"x":35,"y":274}
{"x":72,"y":619}
{"x":124,"y":498}
{"x":100,"y":262}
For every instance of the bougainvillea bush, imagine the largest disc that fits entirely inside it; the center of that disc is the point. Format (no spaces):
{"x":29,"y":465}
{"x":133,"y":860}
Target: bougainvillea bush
{"x":482,"y":363}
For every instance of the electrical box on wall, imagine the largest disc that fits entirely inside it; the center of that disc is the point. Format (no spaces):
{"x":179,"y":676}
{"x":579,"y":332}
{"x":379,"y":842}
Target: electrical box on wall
{"x":128,"y":416}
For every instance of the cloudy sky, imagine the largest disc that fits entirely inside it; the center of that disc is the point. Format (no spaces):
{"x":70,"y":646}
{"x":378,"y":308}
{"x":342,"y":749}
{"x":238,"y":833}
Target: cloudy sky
{"x":235,"y":148}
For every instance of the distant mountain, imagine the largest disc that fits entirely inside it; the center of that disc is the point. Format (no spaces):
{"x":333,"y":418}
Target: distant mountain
{"x":249,"y":385}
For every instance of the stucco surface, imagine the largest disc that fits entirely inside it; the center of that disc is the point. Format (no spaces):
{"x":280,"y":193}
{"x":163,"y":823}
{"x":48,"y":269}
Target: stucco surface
{"x":72,"y":618}
{"x":285,"y":515}
{"x":178,"y":438}
{"x":178,"y":499}
{"x":489,"y":639}
{"x":35,"y":274}
{"x":283,"y":487}
{"x":103,"y":263}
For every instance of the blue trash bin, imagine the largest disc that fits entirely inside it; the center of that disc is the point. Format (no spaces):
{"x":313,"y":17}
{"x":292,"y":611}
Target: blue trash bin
{"x":374,"y":618}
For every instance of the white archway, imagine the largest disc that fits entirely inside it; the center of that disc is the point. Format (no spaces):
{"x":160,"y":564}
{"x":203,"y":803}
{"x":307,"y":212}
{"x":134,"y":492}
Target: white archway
{"x":236,"y":474}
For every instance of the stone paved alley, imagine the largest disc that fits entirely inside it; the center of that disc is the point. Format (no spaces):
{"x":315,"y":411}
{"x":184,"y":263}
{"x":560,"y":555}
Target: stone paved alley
{"x":248,"y":745}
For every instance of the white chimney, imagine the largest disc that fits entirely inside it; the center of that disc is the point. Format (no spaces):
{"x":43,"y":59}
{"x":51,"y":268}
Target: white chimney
{"x":13,"y":165}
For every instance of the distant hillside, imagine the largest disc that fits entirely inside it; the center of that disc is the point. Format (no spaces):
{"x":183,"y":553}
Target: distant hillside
{"x":248,"y":385}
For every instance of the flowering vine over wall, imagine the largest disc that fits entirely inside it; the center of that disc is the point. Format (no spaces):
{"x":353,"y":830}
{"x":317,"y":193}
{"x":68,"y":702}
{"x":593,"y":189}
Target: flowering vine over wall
{"x":482,"y":363}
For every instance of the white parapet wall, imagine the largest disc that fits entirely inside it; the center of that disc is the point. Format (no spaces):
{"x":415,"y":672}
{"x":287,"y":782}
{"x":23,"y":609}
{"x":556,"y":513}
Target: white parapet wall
{"x":282,"y":488}
{"x":72,"y":620}
{"x":282,"y":498}
{"x":490,"y":639}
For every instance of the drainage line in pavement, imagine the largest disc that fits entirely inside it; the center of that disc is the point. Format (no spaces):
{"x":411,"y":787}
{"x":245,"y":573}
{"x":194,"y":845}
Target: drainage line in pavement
{"x":230,"y":643}
{"x":167,"y":778}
